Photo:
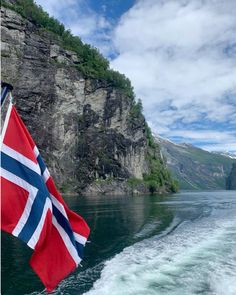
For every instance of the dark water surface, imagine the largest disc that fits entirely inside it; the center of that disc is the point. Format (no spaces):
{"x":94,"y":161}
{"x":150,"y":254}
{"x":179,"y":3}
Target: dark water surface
{"x":183,"y":244}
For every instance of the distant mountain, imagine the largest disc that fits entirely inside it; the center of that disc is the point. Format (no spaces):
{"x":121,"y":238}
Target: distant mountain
{"x":227,"y":154}
{"x":231,"y":180}
{"x":195,"y":168}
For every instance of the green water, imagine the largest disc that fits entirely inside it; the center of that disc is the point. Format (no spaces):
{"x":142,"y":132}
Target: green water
{"x":179,"y":244}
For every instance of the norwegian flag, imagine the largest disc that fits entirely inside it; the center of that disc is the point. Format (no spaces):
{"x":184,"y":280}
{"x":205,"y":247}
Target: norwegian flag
{"x":33,"y":210}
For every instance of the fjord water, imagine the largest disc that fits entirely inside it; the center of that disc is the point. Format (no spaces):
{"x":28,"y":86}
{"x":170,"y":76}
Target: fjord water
{"x":182,"y":244}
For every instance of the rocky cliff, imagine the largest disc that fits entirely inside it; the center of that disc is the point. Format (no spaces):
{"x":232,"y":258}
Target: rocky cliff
{"x":84,"y":127}
{"x":195,"y":168}
{"x":231,"y":180}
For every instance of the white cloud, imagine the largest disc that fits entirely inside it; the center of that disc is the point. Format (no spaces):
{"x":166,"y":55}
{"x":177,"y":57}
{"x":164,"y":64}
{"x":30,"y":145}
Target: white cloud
{"x":179,"y":54}
{"x":181,"y":59}
{"x":210,"y":140}
{"x":228,"y":147}
{"x":204,"y":135}
{"x":77,"y":16}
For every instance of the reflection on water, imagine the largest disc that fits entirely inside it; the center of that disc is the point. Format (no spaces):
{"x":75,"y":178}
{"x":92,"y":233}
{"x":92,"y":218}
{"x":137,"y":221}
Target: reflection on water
{"x":115,"y":222}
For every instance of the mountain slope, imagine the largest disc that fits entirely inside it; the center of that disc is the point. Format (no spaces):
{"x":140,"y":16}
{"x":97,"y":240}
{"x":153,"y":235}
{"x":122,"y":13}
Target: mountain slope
{"x":231,"y":180}
{"x":195,"y":168}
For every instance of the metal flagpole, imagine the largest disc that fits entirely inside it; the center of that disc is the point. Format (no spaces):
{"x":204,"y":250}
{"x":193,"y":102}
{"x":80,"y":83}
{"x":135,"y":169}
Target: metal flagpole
{"x":5,"y":89}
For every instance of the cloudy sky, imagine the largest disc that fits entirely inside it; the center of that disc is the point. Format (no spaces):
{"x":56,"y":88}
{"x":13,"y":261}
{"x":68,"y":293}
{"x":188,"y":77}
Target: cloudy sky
{"x":180,"y":56}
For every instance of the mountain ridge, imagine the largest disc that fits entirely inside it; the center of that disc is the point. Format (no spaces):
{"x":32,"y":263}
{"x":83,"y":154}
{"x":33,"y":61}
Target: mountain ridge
{"x":194,"y":167}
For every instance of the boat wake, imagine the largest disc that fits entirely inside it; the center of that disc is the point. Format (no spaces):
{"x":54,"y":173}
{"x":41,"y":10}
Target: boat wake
{"x":194,"y":257}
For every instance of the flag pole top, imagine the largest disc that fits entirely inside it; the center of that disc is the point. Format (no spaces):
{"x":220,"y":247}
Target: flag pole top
{"x":5,"y":89}
{"x":5,"y":84}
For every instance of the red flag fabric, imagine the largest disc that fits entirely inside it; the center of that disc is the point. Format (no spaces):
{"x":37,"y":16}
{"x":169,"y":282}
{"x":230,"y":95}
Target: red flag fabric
{"x":33,"y":210}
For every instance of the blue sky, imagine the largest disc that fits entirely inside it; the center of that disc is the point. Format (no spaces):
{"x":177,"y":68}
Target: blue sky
{"x":112,"y":9}
{"x":180,"y":56}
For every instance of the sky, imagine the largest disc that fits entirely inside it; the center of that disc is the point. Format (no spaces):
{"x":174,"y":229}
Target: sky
{"x":180,"y":56}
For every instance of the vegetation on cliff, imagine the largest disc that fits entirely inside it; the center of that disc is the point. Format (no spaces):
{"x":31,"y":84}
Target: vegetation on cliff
{"x":159,"y":177}
{"x":92,"y":63}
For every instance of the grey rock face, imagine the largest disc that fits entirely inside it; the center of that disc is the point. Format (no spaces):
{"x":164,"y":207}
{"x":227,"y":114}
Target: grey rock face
{"x":82,"y":127}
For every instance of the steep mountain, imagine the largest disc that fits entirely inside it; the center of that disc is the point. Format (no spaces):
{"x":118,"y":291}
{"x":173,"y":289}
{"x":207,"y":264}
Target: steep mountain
{"x":231,"y":180}
{"x":82,"y":115}
{"x":195,"y":168}
{"x":227,"y":154}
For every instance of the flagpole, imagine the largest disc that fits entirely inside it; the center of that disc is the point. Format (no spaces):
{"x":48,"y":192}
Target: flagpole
{"x":5,"y":89}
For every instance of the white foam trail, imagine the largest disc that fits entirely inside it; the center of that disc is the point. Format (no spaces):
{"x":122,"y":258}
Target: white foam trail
{"x":197,"y":258}
{"x":147,"y":229}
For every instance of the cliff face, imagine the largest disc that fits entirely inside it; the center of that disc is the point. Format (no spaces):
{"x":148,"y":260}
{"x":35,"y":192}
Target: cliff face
{"x":82,"y":127}
{"x":231,"y":180}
